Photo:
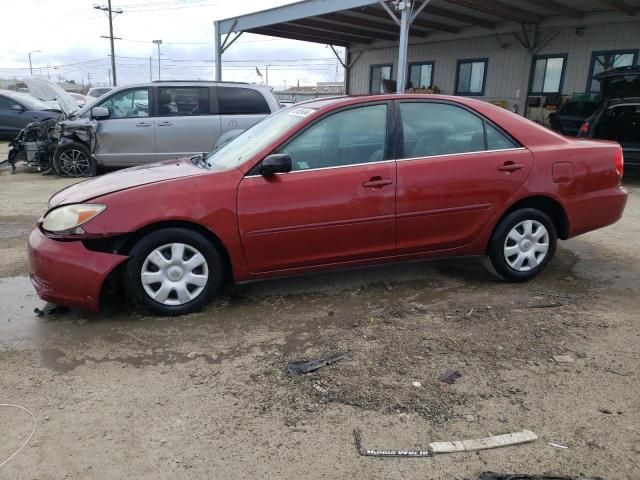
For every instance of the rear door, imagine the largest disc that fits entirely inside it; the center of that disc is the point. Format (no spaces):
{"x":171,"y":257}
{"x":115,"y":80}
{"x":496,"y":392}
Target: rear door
{"x":338,"y":203}
{"x":455,"y":170}
{"x":128,"y":136}
{"x":240,"y":107}
{"x":186,"y":122}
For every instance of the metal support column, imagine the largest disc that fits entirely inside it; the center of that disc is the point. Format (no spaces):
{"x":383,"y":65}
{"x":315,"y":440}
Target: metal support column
{"x":217,"y":52}
{"x":405,"y":22}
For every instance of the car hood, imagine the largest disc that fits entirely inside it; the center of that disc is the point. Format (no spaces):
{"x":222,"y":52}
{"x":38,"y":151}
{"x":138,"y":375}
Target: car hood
{"x":125,"y":179}
{"x":52,"y":94}
{"x":619,"y":82}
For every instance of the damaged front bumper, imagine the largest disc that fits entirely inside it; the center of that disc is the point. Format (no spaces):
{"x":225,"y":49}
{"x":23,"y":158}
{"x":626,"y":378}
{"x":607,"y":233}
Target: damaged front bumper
{"x":66,"y":272}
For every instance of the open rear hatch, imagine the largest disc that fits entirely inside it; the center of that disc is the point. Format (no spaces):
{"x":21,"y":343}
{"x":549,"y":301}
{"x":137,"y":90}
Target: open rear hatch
{"x":620,"y":89}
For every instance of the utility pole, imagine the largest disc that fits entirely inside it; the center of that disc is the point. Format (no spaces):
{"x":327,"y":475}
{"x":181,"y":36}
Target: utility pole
{"x":31,"y":67}
{"x":150,"y":71}
{"x":267,"y":78}
{"x":110,"y":13}
{"x":158,"y":43}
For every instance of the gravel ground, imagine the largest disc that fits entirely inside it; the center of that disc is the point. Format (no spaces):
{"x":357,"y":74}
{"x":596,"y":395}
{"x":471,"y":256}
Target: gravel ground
{"x":123,"y":395}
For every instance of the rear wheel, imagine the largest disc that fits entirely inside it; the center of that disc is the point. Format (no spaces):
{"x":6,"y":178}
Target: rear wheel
{"x":74,"y":160}
{"x":174,"y":271}
{"x":522,"y":245}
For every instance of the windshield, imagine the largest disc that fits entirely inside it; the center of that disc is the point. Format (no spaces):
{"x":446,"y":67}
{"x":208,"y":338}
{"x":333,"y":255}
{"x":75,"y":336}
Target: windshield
{"x":29,"y":102}
{"x":251,"y":141}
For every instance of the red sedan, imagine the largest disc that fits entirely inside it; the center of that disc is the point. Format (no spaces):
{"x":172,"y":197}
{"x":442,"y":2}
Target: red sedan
{"x":329,"y":183}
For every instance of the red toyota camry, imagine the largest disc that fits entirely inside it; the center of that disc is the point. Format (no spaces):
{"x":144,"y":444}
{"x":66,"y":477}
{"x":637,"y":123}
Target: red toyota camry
{"x":327,"y":184}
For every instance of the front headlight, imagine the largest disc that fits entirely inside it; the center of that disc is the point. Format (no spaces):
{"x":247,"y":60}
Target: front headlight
{"x":68,"y":218}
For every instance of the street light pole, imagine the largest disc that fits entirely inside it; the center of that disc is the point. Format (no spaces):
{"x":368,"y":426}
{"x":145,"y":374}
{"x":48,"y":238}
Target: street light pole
{"x":158,"y":43}
{"x":30,"y":66}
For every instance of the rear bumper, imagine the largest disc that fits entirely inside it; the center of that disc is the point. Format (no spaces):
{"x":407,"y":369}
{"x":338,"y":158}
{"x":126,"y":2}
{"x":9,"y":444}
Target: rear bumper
{"x":595,"y":210}
{"x":66,"y":273}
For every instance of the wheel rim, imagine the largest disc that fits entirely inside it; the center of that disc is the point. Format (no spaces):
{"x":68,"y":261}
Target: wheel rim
{"x":74,"y":163}
{"x":174,"y":274}
{"x":526,"y":245}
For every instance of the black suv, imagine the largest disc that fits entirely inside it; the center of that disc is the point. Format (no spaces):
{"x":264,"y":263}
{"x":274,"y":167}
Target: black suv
{"x":618,"y":116}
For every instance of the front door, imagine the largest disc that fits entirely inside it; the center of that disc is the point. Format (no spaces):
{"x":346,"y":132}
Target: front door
{"x":336,"y":205}
{"x":455,"y":172}
{"x":128,"y":136}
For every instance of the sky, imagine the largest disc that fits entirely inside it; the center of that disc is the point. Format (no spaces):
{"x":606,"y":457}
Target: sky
{"x":68,"y":35}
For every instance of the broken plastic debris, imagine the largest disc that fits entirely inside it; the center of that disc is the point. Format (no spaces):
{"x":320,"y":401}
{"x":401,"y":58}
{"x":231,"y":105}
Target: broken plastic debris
{"x":450,"y":376}
{"x":312,"y":365}
{"x":557,"y":445}
{"x":495,"y":441}
{"x":483,"y":443}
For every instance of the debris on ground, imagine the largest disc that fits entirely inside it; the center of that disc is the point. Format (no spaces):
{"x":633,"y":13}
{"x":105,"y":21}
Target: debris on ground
{"x":557,"y":445}
{"x":365,"y":452}
{"x":49,"y":309}
{"x":417,"y":384}
{"x":502,"y":476}
{"x":495,"y":441}
{"x":563,"y":359}
{"x":450,"y":376}
{"x":312,"y":365}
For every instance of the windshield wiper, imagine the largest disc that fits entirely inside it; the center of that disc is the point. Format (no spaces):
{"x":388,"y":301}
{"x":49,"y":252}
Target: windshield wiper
{"x":199,"y":160}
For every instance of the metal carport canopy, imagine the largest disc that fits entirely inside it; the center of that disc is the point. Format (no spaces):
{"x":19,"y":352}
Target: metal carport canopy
{"x":346,"y":22}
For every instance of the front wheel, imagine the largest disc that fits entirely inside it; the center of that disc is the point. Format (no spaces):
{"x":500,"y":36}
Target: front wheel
{"x":74,"y":160}
{"x":522,"y":245}
{"x":174,"y":271}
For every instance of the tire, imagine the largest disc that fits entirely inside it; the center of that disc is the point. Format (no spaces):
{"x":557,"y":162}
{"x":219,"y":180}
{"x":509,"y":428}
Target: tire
{"x":74,"y":160}
{"x":174,"y":293}
{"x":522,"y":245}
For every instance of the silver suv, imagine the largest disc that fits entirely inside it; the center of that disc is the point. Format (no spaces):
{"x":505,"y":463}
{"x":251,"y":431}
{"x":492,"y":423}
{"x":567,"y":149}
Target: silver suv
{"x":162,"y":120}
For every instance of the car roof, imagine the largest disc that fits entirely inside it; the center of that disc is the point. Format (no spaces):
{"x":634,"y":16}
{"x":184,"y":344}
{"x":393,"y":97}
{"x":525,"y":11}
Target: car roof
{"x":183,"y":83}
{"x":614,"y":72}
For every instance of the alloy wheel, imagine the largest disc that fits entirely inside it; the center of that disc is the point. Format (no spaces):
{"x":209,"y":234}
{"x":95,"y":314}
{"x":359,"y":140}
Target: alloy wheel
{"x":74,"y":163}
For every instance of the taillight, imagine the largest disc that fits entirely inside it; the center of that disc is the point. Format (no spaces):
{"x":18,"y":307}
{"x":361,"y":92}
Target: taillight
{"x":584,"y":128}
{"x":619,"y":162}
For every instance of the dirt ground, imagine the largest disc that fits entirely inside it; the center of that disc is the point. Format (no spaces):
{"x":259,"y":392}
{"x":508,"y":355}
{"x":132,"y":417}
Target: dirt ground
{"x":120,"y":395}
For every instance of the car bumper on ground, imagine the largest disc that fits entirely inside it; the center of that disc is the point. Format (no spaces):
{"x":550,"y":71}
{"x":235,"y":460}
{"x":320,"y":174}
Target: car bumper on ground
{"x":66,"y":273}
{"x":590,"y":211}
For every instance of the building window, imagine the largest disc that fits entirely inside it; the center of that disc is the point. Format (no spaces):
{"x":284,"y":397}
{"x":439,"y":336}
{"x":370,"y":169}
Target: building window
{"x":548,"y":74}
{"x":471,"y":77}
{"x":601,"y":61}
{"x":378,"y":74}
{"x":420,"y":75}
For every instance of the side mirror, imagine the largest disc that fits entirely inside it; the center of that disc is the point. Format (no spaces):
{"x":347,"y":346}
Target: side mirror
{"x":100,"y":112}
{"x":17,"y":108}
{"x":276,"y":163}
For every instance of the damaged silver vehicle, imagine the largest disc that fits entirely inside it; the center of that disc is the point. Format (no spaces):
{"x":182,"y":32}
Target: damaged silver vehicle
{"x":63,"y":144}
{"x":144,"y":123}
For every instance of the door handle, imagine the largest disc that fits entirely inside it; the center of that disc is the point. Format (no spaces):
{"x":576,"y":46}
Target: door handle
{"x":164,"y":124}
{"x":510,"y":167}
{"x":377,"y":182}
{"x":143,"y":124}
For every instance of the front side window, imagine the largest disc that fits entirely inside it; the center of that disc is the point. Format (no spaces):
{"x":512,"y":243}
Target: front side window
{"x":183,"y":101}
{"x":471,"y":77}
{"x":548,"y":73}
{"x":128,"y":104}
{"x":5,"y":103}
{"x":432,"y":129}
{"x":349,"y":137}
{"x":420,"y":75}
{"x":379,"y":73}
{"x":241,"y":101}
{"x":601,"y":61}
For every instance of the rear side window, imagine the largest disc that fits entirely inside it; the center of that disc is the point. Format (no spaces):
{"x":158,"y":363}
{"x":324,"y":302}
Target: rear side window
{"x":183,"y":101}
{"x":237,"y":100}
{"x":439,"y":129}
{"x":5,"y":103}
